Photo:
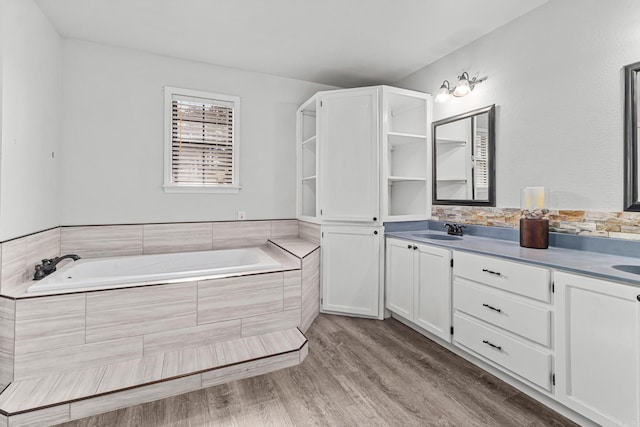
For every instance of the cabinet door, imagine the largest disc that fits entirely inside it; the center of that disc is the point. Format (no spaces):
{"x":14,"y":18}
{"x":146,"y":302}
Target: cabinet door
{"x":349,"y":169}
{"x":433,"y":296}
{"x":399,"y":277}
{"x":598,"y":348}
{"x":351,"y":270}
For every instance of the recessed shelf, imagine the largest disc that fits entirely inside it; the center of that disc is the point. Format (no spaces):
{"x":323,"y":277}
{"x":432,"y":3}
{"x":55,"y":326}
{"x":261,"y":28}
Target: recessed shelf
{"x":406,"y":178}
{"x":309,"y":178}
{"x":311,"y":140}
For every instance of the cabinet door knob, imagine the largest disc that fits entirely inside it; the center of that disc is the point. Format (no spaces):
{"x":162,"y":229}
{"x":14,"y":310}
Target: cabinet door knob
{"x":375,"y":232}
{"x":415,"y":247}
{"x":375,"y":218}
{"x":638,"y":297}
{"x":409,"y":246}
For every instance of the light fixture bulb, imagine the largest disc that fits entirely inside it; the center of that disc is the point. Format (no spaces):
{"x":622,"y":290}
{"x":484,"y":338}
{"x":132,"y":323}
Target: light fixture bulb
{"x":444,"y":93}
{"x":462,"y":88}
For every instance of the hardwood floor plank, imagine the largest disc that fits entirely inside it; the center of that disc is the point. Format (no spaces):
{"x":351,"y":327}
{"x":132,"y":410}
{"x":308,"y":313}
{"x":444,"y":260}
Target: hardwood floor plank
{"x":358,"y":372}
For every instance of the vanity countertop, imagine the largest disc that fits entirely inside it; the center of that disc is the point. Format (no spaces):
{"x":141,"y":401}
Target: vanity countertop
{"x":575,"y":261}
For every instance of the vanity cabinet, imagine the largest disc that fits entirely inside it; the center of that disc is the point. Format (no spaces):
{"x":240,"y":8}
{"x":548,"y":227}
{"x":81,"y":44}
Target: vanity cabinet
{"x":418,"y":285}
{"x":598,"y":348}
{"x":502,"y":314}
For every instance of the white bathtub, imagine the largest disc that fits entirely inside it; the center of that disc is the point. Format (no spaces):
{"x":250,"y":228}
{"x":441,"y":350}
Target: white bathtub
{"x":146,"y":269}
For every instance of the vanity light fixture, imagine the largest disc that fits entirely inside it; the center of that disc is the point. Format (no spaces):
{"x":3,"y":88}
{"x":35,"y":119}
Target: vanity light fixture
{"x":463,"y":88}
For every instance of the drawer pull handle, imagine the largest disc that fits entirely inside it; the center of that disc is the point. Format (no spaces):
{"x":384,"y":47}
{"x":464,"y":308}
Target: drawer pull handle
{"x":492,"y":272}
{"x":409,"y":246}
{"x":497,"y":347}
{"x":492,"y":308}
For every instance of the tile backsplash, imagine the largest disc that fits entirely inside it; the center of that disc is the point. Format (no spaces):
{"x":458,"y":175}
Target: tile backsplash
{"x":619,"y":225}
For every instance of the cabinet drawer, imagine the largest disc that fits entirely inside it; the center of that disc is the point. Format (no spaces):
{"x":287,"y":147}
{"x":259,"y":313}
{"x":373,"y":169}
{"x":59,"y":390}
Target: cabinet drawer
{"x":511,"y":276}
{"x":497,"y":308}
{"x":519,"y":358}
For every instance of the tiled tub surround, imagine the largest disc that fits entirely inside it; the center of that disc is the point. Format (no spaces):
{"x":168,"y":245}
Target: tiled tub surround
{"x":18,"y":257}
{"x":83,"y":352}
{"x":619,"y":225}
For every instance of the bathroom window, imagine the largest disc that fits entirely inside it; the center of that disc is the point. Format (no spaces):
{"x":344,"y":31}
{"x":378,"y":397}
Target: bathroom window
{"x":201,"y":141}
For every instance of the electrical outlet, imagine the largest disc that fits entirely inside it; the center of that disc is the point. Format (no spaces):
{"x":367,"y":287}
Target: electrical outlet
{"x":242,"y":215}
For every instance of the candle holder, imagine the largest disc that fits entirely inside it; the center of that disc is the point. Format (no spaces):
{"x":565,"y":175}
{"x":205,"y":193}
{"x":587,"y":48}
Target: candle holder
{"x":534,"y":227}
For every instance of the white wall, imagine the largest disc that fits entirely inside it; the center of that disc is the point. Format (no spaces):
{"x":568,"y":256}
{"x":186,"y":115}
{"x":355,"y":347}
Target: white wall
{"x":555,"y":77}
{"x":31,"y":92}
{"x":111,"y":167}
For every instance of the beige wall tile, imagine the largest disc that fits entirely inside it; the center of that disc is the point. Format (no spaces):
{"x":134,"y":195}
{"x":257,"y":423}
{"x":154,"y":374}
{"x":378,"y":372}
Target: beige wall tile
{"x":310,"y":232}
{"x":258,"y":367}
{"x":49,"y":416}
{"x":78,"y":357}
{"x":7,"y":325}
{"x":235,"y":234}
{"x":102,"y":241}
{"x":137,"y":311}
{"x":111,"y":402}
{"x":170,"y":238}
{"x":7,"y":332}
{"x":292,"y":289}
{"x":209,"y":288}
{"x":191,"y":337}
{"x":42,"y":245}
{"x":265,"y":323}
{"x":14,"y":265}
{"x":304,"y":352}
{"x":253,"y":302}
{"x":131,"y":373}
{"x":296,"y":246}
{"x":310,"y":289}
{"x":48,"y":323}
{"x":284,"y":228}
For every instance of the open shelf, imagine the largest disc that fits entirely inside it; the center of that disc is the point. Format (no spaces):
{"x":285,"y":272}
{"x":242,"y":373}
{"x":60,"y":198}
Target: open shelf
{"x":309,"y":178}
{"x":406,"y":178}
{"x":460,"y":180}
{"x":451,"y":141}
{"x":407,"y":198}
{"x":399,"y":138}
{"x":309,"y":141}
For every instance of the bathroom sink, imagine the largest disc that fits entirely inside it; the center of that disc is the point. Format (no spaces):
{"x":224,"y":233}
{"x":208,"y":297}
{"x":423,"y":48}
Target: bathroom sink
{"x":634,"y":269}
{"x":435,"y":236}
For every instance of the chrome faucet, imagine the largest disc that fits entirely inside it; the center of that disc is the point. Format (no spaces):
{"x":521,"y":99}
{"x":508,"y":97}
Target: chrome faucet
{"x":454,"y":229}
{"x":48,"y":266}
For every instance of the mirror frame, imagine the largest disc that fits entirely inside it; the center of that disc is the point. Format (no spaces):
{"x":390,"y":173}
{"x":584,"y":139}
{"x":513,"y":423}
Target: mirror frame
{"x":491,"y":110}
{"x":631,"y":195}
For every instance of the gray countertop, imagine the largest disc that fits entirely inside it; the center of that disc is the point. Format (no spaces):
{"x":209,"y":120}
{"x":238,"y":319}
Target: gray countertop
{"x":575,"y":261}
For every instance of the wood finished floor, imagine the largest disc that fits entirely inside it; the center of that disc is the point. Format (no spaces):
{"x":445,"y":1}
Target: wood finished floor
{"x":358,"y":373}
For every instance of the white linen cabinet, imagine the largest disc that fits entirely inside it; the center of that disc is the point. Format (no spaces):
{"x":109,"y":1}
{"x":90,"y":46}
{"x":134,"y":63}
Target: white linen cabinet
{"x":362,"y":159}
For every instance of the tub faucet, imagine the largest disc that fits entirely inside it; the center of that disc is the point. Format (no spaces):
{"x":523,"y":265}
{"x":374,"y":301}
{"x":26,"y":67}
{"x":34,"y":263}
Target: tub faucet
{"x":48,"y":266}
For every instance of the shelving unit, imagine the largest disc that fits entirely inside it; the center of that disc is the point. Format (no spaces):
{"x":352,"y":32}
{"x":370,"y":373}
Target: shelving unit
{"x":405,"y":141}
{"x":307,"y":164}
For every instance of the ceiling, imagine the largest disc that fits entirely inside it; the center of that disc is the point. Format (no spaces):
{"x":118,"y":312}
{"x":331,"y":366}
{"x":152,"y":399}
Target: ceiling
{"x":338,"y":42}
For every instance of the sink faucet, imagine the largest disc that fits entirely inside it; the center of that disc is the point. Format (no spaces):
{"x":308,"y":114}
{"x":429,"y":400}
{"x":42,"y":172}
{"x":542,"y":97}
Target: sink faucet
{"x":454,"y":229}
{"x":48,"y":266}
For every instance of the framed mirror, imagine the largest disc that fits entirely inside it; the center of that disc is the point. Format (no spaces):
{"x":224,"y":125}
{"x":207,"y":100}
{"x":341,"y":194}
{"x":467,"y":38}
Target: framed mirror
{"x":631,"y":151}
{"x":464,"y":159}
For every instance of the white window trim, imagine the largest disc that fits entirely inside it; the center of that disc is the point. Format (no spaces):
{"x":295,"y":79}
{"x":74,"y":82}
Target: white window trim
{"x":169,"y":186}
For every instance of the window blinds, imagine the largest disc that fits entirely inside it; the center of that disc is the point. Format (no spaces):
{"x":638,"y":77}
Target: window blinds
{"x":481,"y":160}
{"x":201,"y":141}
